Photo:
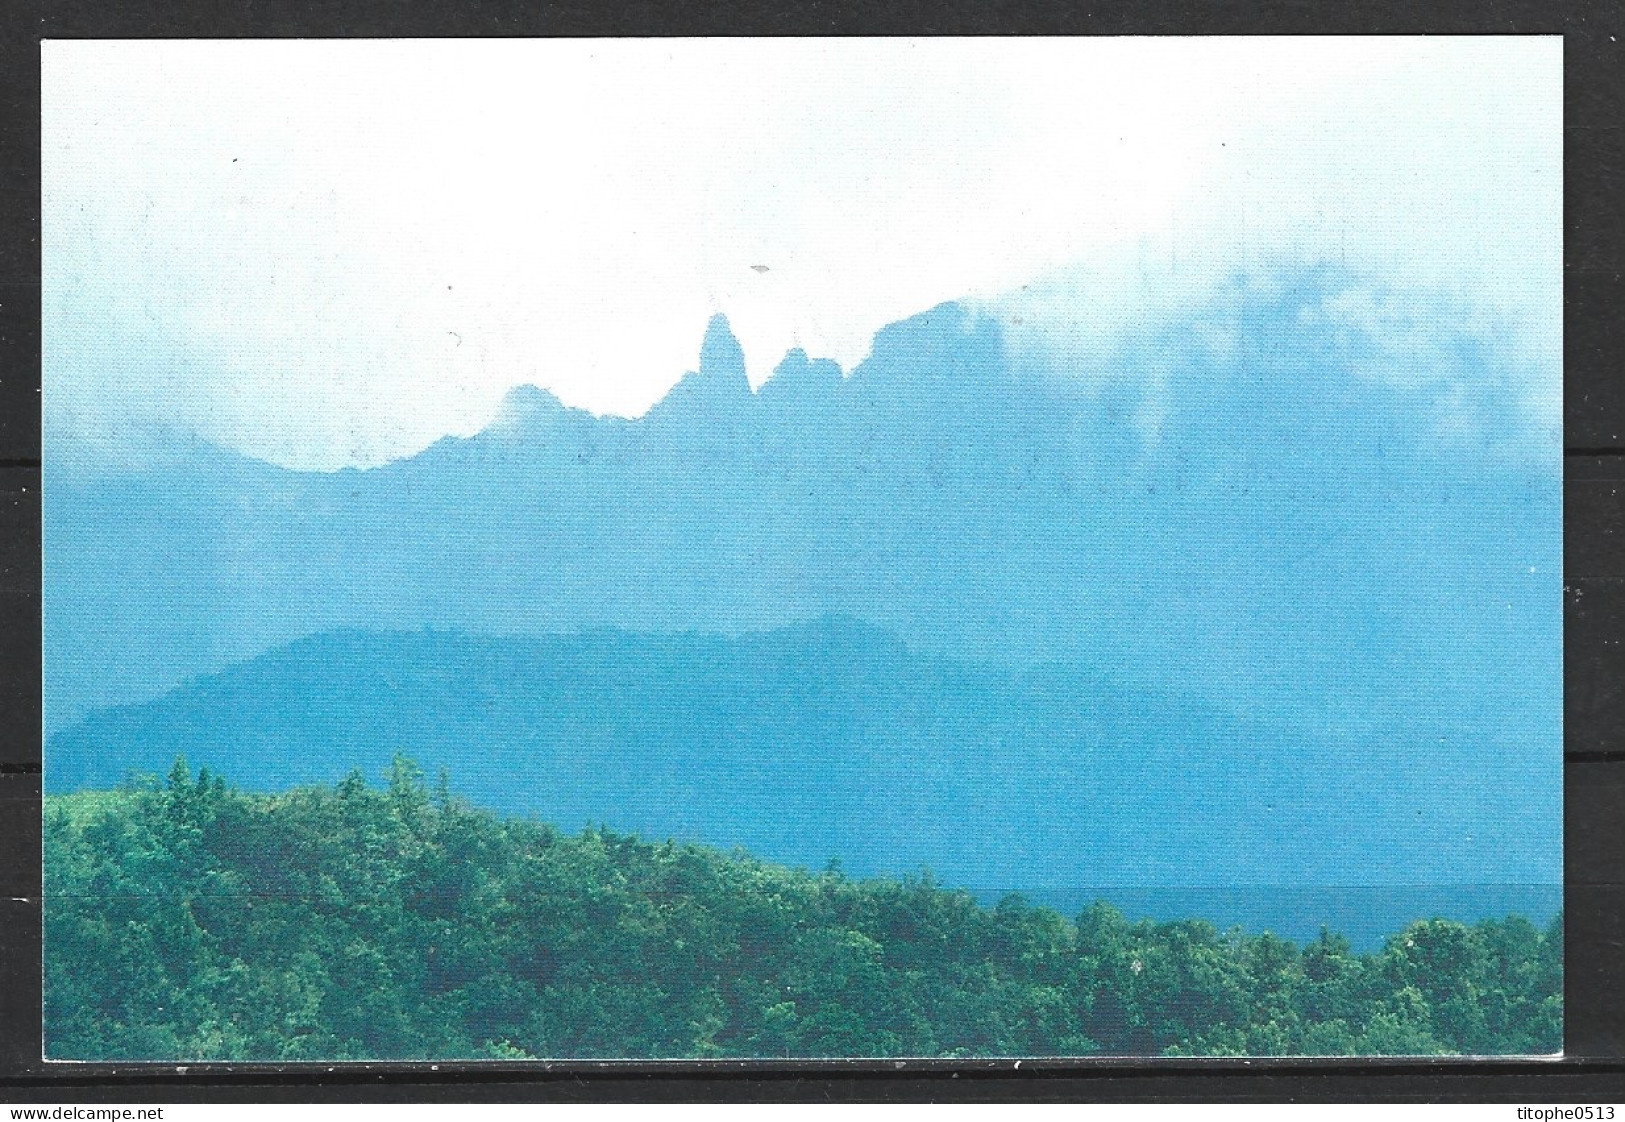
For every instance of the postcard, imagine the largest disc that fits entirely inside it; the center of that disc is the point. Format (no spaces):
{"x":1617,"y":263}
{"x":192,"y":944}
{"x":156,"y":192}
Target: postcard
{"x":802,"y":548}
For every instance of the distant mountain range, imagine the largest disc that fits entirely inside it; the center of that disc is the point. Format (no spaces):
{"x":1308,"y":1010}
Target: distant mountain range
{"x":833,"y":740}
{"x":1287,"y":507}
{"x":1269,"y":501}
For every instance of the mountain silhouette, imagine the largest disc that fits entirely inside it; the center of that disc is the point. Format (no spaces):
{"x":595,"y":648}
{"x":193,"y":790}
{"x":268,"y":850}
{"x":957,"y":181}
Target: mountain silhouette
{"x":831,"y":739}
{"x":1273,"y":506}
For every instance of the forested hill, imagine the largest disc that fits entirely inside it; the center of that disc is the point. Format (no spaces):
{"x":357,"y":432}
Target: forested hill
{"x":835,"y":739}
{"x":190,"y":922}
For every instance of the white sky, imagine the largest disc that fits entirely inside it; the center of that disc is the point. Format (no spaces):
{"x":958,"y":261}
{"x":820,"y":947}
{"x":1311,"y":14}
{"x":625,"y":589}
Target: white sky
{"x":329,"y":253}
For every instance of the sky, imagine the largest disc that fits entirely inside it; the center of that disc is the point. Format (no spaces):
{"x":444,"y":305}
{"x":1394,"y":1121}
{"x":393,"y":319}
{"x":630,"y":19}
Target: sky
{"x":330,"y":254}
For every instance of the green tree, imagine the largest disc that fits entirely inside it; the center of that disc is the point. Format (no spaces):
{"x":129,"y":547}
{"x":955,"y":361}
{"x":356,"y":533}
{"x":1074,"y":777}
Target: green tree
{"x":188,"y":921}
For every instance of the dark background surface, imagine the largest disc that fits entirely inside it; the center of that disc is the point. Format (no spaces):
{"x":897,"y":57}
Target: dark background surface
{"x":1594,"y":530}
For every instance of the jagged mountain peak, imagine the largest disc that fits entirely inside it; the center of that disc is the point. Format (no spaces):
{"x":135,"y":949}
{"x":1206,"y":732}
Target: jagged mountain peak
{"x":797,"y":372}
{"x":720,"y":379}
{"x":722,"y":360}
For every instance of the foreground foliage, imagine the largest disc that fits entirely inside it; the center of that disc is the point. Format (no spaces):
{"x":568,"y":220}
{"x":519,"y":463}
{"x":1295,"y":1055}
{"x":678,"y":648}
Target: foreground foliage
{"x":191,"y":921}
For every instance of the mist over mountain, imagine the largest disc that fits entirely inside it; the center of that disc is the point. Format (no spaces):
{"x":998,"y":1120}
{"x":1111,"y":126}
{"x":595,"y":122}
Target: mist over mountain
{"x":1273,"y":554}
{"x":1271,"y":509}
{"x":1271,"y":501}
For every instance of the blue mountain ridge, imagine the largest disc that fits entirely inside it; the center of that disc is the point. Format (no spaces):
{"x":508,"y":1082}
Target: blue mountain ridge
{"x":831,"y":739}
{"x":1262,"y":509}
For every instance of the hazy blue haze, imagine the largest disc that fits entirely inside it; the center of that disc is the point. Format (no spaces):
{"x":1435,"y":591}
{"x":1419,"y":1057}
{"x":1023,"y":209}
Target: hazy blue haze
{"x":832,"y":740}
{"x":1290,"y":561}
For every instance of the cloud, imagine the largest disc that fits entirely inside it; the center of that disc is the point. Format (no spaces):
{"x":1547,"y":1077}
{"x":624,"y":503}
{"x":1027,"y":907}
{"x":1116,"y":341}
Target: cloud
{"x":327,"y":253}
